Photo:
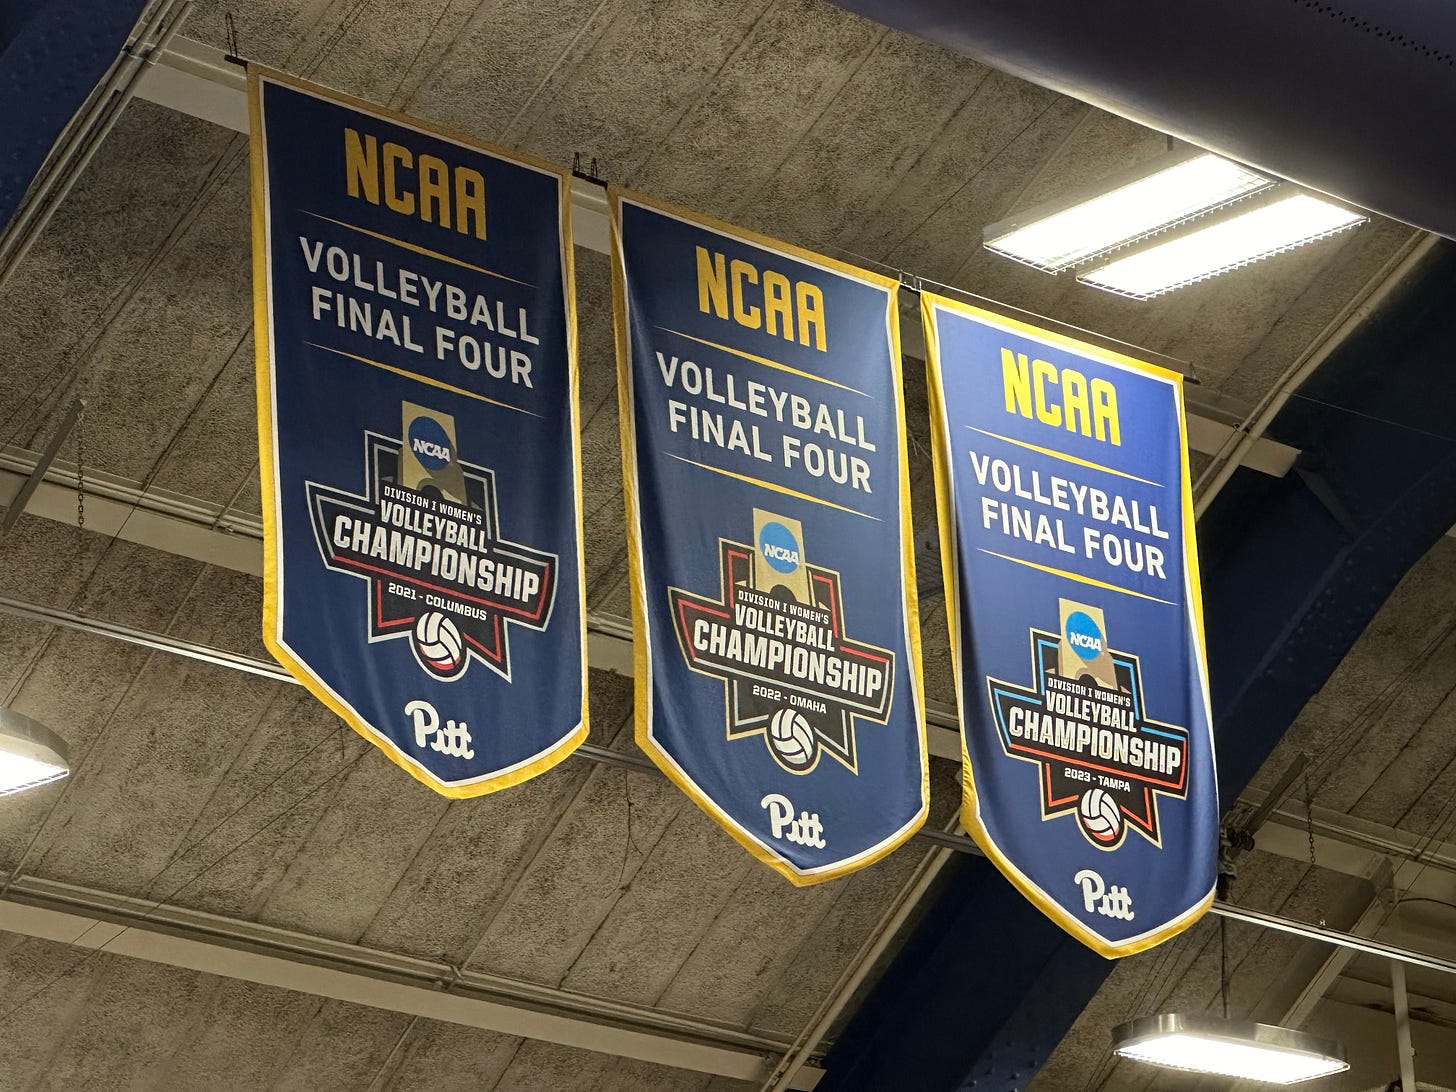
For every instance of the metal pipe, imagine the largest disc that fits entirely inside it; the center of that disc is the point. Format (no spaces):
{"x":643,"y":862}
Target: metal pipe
{"x":43,"y":464}
{"x":1403,"y":1046}
{"x":958,"y":843}
{"x":1281,"y":924}
{"x":92,"y":920}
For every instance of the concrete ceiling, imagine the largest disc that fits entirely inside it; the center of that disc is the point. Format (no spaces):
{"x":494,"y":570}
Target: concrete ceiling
{"x":240,"y":796}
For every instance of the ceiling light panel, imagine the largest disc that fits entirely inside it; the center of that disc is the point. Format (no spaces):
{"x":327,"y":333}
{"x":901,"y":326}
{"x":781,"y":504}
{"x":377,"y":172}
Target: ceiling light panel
{"x":1157,"y":200}
{"x":1259,"y":233}
{"x":1262,"y":1052}
{"x":30,"y":753}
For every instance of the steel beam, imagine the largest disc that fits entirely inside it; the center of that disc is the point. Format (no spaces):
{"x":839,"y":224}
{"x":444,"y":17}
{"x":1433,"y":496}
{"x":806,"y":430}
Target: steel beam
{"x":194,"y":78}
{"x":190,"y":939}
{"x":1402,"y":1027}
{"x":43,"y":464}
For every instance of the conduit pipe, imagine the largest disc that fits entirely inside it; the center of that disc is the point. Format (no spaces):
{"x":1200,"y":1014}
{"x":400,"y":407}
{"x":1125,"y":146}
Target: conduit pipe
{"x":957,"y":842}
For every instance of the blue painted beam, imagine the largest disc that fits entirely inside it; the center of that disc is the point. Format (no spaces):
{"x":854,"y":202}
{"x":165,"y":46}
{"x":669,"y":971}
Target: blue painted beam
{"x":986,"y":986}
{"x":52,"y":53}
{"x":1350,"y":97}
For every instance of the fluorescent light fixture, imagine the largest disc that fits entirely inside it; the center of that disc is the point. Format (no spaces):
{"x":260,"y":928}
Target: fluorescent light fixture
{"x":30,"y":754}
{"x":1259,"y":233}
{"x":1229,"y":1048}
{"x":1158,"y":195}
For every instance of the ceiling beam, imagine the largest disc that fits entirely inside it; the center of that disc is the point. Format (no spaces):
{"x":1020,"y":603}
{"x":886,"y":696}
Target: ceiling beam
{"x":89,"y":919}
{"x":194,"y":78}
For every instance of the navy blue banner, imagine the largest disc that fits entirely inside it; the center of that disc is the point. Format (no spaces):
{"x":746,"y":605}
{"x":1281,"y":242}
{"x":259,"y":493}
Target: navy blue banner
{"x":417,"y":425}
{"x":778,"y":659}
{"x":1071,"y":574}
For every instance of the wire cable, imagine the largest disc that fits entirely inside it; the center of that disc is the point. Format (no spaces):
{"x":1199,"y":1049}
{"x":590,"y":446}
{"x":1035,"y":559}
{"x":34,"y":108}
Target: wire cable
{"x":158,"y":904}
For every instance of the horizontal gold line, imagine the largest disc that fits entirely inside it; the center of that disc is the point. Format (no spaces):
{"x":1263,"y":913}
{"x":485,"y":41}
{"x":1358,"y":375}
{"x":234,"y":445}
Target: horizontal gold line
{"x":765,"y":361}
{"x":1065,"y":457}
{"x":416,"y":248}
{"x":422,"y":379}
{"x":776,"y":488}
{"x":1076,"y":577}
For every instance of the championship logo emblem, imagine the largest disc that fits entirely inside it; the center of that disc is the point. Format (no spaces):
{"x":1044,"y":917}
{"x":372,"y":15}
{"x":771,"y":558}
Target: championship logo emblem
{"x":775,"y":636}
{"x":1083,"y":722}
{"x":426,"y":538}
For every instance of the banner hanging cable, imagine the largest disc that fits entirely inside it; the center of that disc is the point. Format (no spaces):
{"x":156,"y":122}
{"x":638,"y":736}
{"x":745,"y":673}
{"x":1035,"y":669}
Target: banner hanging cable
{"x":418,"y":434}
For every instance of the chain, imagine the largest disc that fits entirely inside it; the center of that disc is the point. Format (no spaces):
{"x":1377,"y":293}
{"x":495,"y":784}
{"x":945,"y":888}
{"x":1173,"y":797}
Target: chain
{"x":81,"y":497}
{"x":1319,"y":912}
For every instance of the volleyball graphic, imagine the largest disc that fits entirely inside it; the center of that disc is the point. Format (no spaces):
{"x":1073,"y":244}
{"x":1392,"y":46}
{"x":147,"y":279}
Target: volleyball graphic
{"x":791,"y":740}
{"x":438,"y":644}
{"x":1100,"y":817}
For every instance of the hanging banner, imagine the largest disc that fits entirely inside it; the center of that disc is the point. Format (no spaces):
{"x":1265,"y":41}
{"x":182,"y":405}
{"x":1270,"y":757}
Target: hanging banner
{"x":416,"y":338}
{"x":778,"y":659}
{"x":1071,"y":575}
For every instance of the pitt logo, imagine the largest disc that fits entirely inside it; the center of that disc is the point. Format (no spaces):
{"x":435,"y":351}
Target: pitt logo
{"x":451,"y":739}
{"x":806,"y":830}
{"x":1097,"y":897}
{"x":765,"y":301}
{"x":779,"y":547}
{"x":424,"y":185}
{"x":1032,"y":390}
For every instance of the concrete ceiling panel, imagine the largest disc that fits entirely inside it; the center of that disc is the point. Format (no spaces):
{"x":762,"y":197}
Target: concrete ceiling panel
{"x":436,"y":1056}
{"x":577,"y":876}
{"x":987,"y":130}
{"x":1100,"y":145}
{"x":99,"y":243}
{"x":376,"y":822}
{"x":785,"y":1003}
{"x":646,"y":69}
{"x":134,"y":1013}
{"x":1393,"y":681}
{"x":1335,"y":284}
{"x":894,"y":102}
{"x":215,"y":452}
{"x":685,"y":881}
{"x":511,"y":52}
{"x":342,"y":1049}
{"x":461,"y":876}
{"x":238,"y":1035}
{"x":546,"y":1067}
{"x":792,"y":65}
{"x":166,"y":346}
{"x":171,"y":737}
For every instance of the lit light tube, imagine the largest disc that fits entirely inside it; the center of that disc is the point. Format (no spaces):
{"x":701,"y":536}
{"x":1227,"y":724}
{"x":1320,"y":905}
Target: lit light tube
{"x":1161,"y":197}
{"x":1259,"y":233}
{"x":30,"y":754}
{"x":1229,"y":1048}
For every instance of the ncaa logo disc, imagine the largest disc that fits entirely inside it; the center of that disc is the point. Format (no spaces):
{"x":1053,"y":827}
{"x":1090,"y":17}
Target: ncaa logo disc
{"x":1084,"y":635}
{"x":778,"y":546}
{"x":429,"y":443}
